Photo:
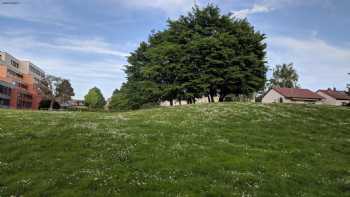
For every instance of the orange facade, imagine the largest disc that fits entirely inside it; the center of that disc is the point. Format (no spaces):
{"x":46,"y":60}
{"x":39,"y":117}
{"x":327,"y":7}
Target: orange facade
{"x":24,"y":94}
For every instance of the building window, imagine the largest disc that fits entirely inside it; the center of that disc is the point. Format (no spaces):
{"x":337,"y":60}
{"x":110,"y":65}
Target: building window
{"x":24,"y":101}
{"x":5,"y":90}
{"x":14,"y":64}
{"x":32,"y":69}
{"x":14,"y":74}
{"x":4,"y":103}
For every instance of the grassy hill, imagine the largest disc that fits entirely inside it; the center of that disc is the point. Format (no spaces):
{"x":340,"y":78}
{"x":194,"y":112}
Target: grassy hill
{"x":201,"y":150}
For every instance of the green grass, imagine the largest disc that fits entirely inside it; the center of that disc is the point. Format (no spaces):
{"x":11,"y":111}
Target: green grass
{"x":201,"y":150}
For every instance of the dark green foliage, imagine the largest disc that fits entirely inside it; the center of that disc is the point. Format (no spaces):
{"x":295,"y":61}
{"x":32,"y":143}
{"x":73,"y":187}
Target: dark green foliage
{"x":199,"y":150}
{"x":45,"y":105}
{"x":94,"y":99}
{"x":115,"y":92}
{"x":65,"y":91}
{"x":201,"y":54}
{"x":284,"y":76}
{"x":135,"y":95}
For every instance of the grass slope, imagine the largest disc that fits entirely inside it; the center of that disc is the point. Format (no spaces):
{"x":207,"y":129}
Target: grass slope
{"x":200,"y":150}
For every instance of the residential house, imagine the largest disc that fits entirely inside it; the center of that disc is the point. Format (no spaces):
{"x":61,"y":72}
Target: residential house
{"x":334,"y":97}
{"x":291,"y":95}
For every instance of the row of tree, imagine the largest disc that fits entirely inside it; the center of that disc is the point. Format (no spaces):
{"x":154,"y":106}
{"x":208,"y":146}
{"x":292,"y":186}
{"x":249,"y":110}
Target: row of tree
{"x":57,"y":91}
{"x":203,"y":53}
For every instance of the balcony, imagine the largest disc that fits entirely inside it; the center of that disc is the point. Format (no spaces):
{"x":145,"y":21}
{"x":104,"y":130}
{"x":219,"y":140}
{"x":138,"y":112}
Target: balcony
{"x":4,"y":96}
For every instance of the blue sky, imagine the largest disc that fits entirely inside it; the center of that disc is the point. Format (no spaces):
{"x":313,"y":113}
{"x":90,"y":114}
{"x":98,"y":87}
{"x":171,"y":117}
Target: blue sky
{"x":87,"y":41}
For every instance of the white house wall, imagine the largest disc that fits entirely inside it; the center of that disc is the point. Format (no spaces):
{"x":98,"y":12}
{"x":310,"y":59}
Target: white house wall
{"x":273,"y":97}
{"x":332,"y":101}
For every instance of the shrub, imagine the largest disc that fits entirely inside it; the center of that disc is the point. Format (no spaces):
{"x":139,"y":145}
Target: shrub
{"x":45,"y":105}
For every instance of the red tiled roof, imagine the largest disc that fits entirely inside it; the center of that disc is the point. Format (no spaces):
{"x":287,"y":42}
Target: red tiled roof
{"x":338,"y":95}
{"x":298,"y":93}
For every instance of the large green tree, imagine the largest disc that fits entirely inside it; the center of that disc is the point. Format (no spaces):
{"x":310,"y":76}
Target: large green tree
{"x":65,"y":91}
{"x":284,"y":76}
{"x":203,"y":53}
{"x":94,"y":99}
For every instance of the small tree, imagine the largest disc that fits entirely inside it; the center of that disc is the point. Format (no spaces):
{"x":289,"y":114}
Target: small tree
{"x":94,"y":99}
{"x":65,"y":91}
{"x":49,"y":89}
{"x":284,"y":76}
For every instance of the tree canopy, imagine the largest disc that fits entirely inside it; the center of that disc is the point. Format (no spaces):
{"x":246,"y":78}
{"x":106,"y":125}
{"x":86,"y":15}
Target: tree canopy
{"x":65,"y":91}
{"x":94,"y":99}
{"x":284,"y":76}
{"x":203,"y":53}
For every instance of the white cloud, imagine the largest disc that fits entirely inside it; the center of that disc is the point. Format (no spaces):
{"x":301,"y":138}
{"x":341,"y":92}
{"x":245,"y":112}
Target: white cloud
{"x":94,"y":46}
{"x":320,"y":64}
{"x":89,"y":46}
{"x":257,"y":8}
{"x":169,"y":6}
{"x":266,"y":6}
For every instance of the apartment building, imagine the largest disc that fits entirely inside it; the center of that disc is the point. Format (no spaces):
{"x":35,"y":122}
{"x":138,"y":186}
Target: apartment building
{"x":19,"y":83}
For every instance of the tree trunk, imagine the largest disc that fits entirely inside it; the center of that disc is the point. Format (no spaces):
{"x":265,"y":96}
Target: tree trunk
{"x":221,"y":98}
{"x":171,"y":102}
{"x":51,"y":104}
{"x":209,"y":101}
{"x":212,"y":98}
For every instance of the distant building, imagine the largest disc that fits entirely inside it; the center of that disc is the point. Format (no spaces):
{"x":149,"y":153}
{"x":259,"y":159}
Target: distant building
{"x":205,"y":99}
{"x":291,"y":95}
{"x":73,"y":104}
{"x":19,"y":83}
{"x":334,"y":97}
{"x":184,"y":102}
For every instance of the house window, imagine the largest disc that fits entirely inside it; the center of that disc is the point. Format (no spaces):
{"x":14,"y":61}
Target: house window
{"x":14,"y":64}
